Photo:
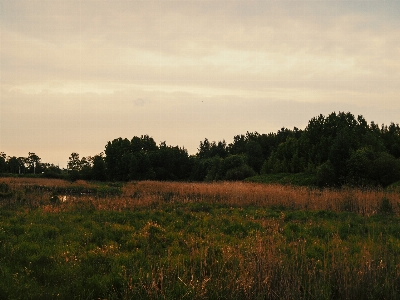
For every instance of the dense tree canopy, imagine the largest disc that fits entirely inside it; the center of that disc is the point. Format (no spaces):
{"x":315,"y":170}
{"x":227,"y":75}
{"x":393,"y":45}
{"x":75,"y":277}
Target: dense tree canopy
{"x":339,"y":149}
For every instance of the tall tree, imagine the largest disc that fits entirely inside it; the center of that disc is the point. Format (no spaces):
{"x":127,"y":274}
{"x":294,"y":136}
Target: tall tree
{"x":3,"y":162}
{"x":33,"y":162}
{"x":74,"y":163}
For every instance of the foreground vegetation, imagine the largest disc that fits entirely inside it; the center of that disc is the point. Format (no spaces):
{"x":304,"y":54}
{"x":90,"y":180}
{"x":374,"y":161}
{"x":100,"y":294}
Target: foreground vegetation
{"x":154,"y":240}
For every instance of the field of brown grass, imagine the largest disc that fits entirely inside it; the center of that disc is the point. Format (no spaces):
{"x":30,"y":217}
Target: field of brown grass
{"x":365,"y":202}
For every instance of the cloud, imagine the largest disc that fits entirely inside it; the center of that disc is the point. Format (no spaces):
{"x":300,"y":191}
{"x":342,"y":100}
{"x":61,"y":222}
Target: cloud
{"x":85,"y":70}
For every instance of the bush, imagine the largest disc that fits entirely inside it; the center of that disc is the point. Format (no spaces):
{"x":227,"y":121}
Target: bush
{"x":326,"y":175}
{"x":359,"y":167}
{"x":386,"y":169}
{"x":239,"y":173}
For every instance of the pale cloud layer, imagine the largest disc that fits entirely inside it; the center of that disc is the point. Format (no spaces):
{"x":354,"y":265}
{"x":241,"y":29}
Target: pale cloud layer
{"x":76,"y":74}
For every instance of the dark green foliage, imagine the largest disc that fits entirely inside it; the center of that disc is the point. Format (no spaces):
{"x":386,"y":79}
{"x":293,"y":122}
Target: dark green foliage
{"x":118,"y":157}
{"x":360,"y":167}
{"x":326,"y":174}
{"x":340,"y":152}
{"x":298,"y":179}
{"x":3,"y":163}
{"x":254,"y":153}
{"x":52,"y":171}
{"x":170,"y":163}
{"x":385,"y":169}
{"x":239,"y":173}
{"x":209,"y":150}
{"x":338,"y":149}
{"x":142,"y":159}
{"x":99,"y":168}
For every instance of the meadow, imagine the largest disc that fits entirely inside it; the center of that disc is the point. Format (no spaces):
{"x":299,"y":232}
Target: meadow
{"x":223,"y":240}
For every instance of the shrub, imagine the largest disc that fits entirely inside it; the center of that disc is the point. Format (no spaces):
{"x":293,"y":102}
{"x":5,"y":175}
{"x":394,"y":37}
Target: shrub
{"x":326,"y":175}
{"x":239,"y":173}
{"x":386,"y":169}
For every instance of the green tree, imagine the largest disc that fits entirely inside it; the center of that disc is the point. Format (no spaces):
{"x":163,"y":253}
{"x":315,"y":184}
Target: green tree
{"x":86,"y":165}
{"x":118,"y":159}
{"x":74,"y":166}
{"x":3,"y":162}
{"x":15,"y":165}
{"x":74,"y":162}
{"x":359,"y":166}
{"x":386,"y":169}
{"x":99,"y":167}
{"x":209,"y":150}
{"x":340,"y":152}
{"x":170,"y":163}
{"x":238,"y":146}
{"x":51,"y":170}
{"x":391,"y":139}
{"x":33,"y":163}
{"x":254,"y":155}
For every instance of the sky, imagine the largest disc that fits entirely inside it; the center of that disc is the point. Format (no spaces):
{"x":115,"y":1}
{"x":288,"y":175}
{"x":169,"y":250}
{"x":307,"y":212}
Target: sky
{"x":75,"y":74}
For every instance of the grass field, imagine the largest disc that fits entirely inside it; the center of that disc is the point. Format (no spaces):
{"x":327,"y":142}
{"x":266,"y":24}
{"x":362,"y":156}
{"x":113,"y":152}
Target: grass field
{"x":163,"y":240}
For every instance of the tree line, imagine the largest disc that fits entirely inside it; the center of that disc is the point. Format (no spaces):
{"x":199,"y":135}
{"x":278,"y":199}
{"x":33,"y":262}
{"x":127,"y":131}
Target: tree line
{"x":338,"y":149}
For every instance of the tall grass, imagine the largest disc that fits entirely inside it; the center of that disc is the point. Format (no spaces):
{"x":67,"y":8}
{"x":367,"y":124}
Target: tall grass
{"x":362,"y":201}
{"x":366,"y":201}
{"x":163,"y":240}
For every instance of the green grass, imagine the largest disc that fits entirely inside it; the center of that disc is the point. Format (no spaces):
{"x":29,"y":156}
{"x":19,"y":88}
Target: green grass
{"x":152,"y":240}
{"x":197,"y":250}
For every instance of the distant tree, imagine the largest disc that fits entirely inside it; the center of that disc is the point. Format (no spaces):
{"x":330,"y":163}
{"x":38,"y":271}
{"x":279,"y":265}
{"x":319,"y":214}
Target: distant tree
{"x":234,"y":167}
{"x":118,"y":159}
{"x":3,"y":162}
{"x":15,"y":165}
{"x":86,"y":164}
{"x":33,"y":163}
{"x":239,"y":145}
{"x":99,"y":167}
{"x":359,"y":167}
{"x":74,"y":163}
{"x":340,"y":152}
{"x":148,"y":143}
{"x":51,"y":171}
{"x":199,"y":168}
{"x":386,"y":169}
{"x":74,"y":166}
{"x":140,"y":166}
{"x":254,"y":155}
{"x":170,"y":163}
{"x":391,"y":139}
{"x":204,"y":149}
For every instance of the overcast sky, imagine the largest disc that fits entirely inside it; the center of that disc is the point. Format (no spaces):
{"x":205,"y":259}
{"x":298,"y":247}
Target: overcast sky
{"x":77,"y":74}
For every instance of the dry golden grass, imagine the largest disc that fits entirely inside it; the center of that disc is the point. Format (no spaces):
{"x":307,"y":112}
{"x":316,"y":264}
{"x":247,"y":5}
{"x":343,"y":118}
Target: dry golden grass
{"x":150,"y":193}
{"x":362,"y":201}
